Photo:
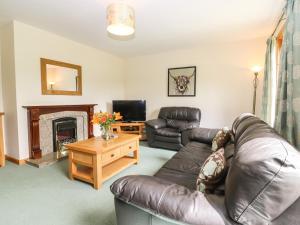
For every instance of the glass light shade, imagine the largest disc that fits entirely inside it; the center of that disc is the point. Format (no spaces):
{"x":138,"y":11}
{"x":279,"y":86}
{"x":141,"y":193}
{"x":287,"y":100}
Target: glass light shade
{"x":256,"y":69}
{"x":120,"y":19}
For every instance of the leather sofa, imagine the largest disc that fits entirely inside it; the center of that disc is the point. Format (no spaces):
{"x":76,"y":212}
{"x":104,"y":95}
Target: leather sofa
{"x":171,"y":128}
{"x":261,"y":187}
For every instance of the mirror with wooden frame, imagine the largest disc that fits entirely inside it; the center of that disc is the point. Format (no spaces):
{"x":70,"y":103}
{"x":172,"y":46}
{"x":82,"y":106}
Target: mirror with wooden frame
{"x":60,"y":78}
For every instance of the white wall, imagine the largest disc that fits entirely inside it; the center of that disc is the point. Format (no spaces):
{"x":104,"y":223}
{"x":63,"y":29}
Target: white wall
{"x":102,"y":74}
{"x":1,"y":99}
{"x":9,"y":91}
{"x":224,"y":79}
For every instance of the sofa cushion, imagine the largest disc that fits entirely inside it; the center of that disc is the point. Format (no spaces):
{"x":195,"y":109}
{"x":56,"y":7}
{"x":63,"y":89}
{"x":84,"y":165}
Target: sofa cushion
{"x":169,"y":132}
{"x":264,"y":177}
{"x":183,"y":168}
{"x":220,"y":140}
{"x":167,"y":139}
{"x":178,"y":177}
{"x":189,"y":159}
{"x":212,"y":172}
{"x":182,"y":125}
{"x":166,"y":145}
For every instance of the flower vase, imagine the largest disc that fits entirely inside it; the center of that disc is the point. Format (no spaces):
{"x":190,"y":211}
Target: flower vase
{"x":106,"y":133}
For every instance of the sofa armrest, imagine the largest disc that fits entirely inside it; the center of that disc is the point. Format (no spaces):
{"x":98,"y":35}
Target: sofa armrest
{"x":167,"y":199}
{"x":203,"y":135}
{"x":190,"y":125}
{"x":156,"y":123}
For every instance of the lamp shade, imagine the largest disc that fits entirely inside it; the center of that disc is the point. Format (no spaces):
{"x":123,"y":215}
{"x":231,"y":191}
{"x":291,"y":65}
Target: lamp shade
{"x":256,"y":69}
{"x":120,"y":19}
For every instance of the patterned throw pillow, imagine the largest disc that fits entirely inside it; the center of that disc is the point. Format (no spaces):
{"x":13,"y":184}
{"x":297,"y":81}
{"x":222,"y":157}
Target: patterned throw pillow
{"x":212,"y":172}
{"x":221,"y":138}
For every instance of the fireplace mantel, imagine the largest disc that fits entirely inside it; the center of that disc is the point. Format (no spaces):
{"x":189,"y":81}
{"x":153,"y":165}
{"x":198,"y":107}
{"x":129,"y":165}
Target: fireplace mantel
{"x":33,"y":114}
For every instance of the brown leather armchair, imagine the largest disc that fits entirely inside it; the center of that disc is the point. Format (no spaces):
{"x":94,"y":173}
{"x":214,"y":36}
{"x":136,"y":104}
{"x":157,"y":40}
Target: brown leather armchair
{"x":170,"y":129}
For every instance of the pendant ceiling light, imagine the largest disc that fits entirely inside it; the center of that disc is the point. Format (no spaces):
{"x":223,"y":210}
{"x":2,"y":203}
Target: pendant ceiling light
{"x":120,"y":19}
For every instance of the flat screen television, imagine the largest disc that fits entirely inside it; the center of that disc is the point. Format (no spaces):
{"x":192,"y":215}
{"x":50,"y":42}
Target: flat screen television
{"x":131,"y":110}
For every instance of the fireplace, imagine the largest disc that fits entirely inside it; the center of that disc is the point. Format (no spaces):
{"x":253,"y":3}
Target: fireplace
{"x":40,"y":130}
{"x":64,"y":132}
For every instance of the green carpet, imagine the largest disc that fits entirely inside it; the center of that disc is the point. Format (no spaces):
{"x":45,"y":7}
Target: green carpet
{"x":31,"y":196}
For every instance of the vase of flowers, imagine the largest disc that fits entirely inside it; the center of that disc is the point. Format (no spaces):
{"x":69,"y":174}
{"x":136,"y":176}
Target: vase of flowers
{"x":104,"y":120}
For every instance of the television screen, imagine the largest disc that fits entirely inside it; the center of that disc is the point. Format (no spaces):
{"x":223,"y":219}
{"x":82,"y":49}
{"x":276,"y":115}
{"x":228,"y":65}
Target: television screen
{"x":131,"y":110}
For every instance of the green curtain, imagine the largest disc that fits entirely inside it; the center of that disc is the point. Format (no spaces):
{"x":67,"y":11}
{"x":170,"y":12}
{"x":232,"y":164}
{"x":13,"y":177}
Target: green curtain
{"x":268,"y":85}
{"x":287,"y":121}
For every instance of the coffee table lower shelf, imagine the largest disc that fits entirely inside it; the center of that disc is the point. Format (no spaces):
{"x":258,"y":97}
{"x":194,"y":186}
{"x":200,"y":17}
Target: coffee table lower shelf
{"x":85,"y":172}
{"x":117,"y":166}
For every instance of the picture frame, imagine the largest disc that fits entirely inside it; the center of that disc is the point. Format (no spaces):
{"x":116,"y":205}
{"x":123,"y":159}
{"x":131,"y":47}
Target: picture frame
{"x":60,"y":78}
{"x":182,"y":81}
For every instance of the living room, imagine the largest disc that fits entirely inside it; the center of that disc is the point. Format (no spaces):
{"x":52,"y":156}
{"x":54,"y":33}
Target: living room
{"x":199,"y":70}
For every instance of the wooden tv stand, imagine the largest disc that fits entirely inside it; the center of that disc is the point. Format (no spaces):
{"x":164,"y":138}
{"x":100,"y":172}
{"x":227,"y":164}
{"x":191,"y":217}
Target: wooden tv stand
{"x":130,"y":128}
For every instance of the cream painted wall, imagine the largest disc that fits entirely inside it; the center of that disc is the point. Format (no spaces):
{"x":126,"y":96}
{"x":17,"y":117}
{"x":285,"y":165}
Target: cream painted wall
{"x":102,"y":74}
{"x":224,"y":80}
{"x":1,"y":99}
{"x":9,"y":91}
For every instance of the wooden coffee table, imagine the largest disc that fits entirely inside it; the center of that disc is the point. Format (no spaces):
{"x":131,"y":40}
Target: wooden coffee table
{"x":95,"y":160}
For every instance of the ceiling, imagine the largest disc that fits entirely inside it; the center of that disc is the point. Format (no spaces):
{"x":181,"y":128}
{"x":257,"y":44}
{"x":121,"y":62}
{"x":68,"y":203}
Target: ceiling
{"x":161,"y":25}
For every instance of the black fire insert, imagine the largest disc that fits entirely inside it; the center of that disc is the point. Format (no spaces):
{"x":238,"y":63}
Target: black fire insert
{"x":64,"y":132}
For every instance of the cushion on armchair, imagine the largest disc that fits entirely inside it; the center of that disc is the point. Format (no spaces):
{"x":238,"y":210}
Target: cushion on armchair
{"x":182,"y":125}
{"x":168,"y":132}
{"x":179,"y":124}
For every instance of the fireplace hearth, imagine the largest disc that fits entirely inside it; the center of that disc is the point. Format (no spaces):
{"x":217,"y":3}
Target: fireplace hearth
{"x":64,"y":132}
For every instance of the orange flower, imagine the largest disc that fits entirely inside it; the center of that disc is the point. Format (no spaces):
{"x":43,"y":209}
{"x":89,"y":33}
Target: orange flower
{"x":118,"y":116}
{"x":95,"y":119}
{"x":103,"y":119}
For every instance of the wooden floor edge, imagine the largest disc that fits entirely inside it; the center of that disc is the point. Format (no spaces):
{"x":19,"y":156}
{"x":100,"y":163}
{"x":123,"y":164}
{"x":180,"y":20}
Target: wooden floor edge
{"x":16,"y":161}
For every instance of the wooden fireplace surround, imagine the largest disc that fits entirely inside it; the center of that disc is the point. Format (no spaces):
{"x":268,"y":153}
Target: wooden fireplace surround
{"x":33,"y":117}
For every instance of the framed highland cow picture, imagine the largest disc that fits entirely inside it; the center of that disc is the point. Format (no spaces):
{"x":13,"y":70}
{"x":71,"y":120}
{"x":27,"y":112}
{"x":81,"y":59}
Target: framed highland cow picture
{"x":182,"y":81}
